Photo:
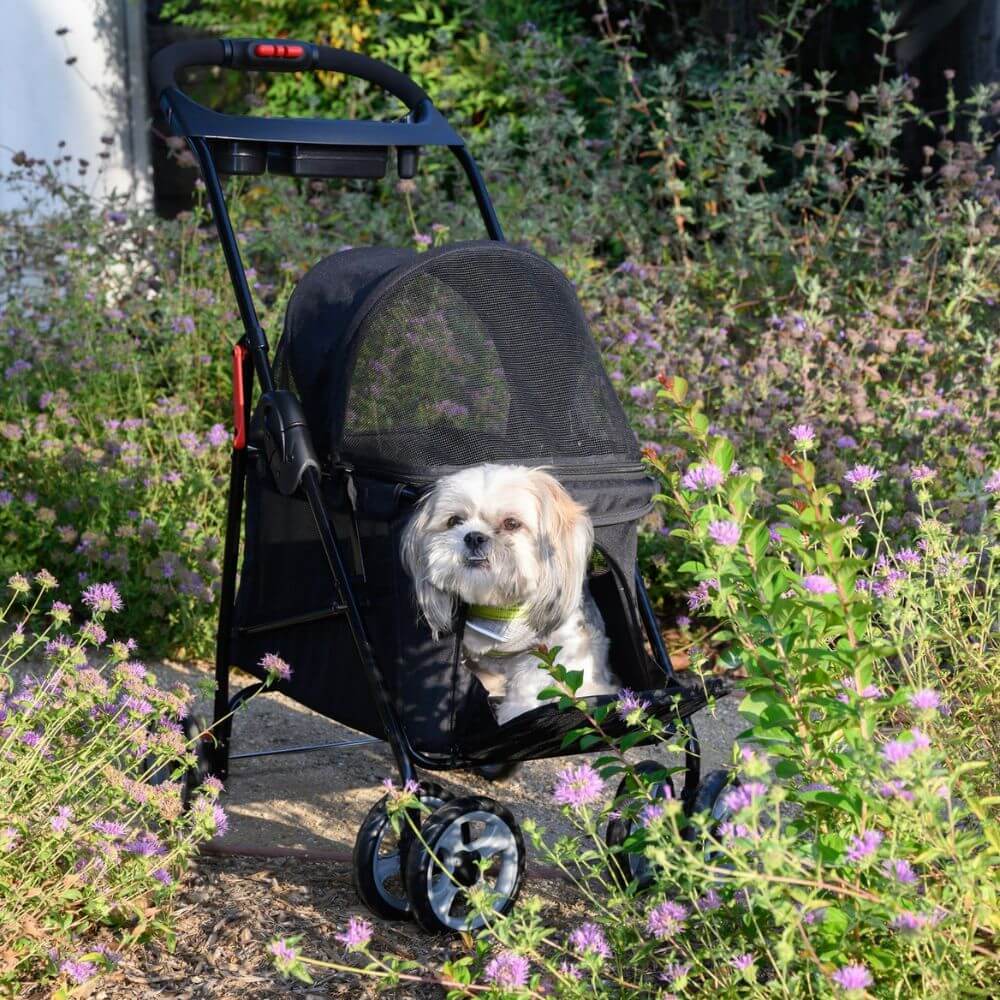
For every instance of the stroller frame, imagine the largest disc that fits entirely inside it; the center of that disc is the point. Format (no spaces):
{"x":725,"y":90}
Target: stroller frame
{"x":289,"y":146}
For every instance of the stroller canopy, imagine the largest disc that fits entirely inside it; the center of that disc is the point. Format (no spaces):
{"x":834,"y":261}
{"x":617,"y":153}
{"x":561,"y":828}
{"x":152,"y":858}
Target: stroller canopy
{"x":424,"y":362}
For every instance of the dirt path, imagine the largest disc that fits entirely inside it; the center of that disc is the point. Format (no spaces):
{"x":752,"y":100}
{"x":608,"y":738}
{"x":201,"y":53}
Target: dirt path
{"x":233,"y":906}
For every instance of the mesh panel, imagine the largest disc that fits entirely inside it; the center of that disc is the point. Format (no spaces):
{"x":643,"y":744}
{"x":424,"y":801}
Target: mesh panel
{"x":481,"y":353}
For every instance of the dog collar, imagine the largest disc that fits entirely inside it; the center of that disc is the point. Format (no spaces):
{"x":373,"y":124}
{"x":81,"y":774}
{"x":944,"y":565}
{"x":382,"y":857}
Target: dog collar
{"x":503,"y":626}
{"x":496,"y":613}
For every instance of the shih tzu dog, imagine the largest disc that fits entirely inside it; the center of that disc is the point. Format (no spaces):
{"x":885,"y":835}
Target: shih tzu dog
{"x":511,"y":544}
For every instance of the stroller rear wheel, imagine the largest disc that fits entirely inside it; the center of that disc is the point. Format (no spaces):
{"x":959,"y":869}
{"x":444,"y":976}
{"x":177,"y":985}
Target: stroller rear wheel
{"x":195,"y":774}
{"x":709,"y":803}
{"x":379,"y":858}
{"x":625,"y":866}
{"x":471,"y":842}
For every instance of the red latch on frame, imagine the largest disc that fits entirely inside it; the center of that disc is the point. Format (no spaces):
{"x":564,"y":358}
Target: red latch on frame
{"x":239,"y":397}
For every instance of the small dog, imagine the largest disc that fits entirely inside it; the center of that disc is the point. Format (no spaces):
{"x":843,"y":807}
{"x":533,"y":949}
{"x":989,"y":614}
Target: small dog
{"x":512,"y":544}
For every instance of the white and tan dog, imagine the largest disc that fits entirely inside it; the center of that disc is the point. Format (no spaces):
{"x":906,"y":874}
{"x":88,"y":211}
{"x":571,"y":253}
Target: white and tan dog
{"x":509,"y":542}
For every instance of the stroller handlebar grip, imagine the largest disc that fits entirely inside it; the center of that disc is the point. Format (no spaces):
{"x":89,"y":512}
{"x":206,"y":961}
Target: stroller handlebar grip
{"x":278,"y":55}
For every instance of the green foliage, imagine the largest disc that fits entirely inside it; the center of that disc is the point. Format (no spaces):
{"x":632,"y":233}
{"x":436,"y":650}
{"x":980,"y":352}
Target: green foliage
{"x":455,"y":50}
{"x":854,"y":851}
{"x":91,"y":848}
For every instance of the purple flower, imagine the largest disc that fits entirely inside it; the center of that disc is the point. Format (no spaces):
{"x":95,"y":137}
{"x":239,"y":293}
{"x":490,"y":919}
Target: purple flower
{"x":221,"y":820}
{"x":701,"y":595}
{"x":31,"y":738}
{"x":742,"y":796}
{"x":650,"y":813}
{"x":710,"y":901}
{"x":925,"y":700}
{"x":183,"y":324}
{"x":850,"y":684}
{"x":162,"y":875}
{"x":61,"y":820}
{"x":863,"y":477}
{"x":803,"y":435}
{"x":920,"y":474}
{"x":629,"y":702}
{"x":683,"y":622}
{"x":146,"y":845}
{"x":674,"y":971}
{"x":507,"y":969}
{"x":897,"y":751}
{"x":901,"y":870}
{"x":217,"y":435}
{"x":282,"y":951}
{"x":908,"y":557}
{"x":817,"y":583}
{"x":814,"y":916}
{"x":725,"y":533}
{"x":6,"y":497}
{"x":588,"y":939}
{"x":666,"y":919}
{"x":110,"y":828}
{"x":578,"y":786}
{"x":357,"y":935}
{"x":103,"y":597}
{"x":992,"y":485}
{"x":276,"y":667}
{"x":852,"y":978}
{"x":896,"y":789}
{"x":423,"y":240}
{"x":864,"y":845}
{"x":79,"y":972}
{"x":707,"y":476}
{"x":742,"y":962}
{"x":908,"y":922}
{"x":846,"y":442}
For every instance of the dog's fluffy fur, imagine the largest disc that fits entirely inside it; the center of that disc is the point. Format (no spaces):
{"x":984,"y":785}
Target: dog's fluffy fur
{"x":500,"y":535}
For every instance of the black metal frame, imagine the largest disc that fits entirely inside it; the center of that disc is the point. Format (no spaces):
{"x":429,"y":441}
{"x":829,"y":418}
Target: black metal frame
{"x":423,"y":126}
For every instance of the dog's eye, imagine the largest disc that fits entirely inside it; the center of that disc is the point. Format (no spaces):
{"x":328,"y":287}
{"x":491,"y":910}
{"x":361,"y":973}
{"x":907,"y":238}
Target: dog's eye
{"x":511,"y":524}
{"x":454,"y":520}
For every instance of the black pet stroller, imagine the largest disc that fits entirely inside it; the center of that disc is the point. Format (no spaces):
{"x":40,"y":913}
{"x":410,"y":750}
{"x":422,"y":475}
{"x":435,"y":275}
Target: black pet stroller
{"x":395,"y":368}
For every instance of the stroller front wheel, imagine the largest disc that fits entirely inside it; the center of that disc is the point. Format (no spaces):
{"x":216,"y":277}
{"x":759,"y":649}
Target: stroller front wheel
{"x":379,"y":857}
{"x":468,"y":843}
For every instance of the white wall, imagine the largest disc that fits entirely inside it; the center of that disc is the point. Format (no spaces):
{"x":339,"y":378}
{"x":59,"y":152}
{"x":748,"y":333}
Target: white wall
{"x":42,"y":100}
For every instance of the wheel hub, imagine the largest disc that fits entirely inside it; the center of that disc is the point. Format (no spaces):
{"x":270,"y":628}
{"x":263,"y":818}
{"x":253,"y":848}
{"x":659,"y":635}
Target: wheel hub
{"x":466,"y":870}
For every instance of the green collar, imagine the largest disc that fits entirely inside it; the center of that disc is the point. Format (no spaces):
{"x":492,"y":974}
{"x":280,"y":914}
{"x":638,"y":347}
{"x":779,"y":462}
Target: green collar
{"x":504,"y":613}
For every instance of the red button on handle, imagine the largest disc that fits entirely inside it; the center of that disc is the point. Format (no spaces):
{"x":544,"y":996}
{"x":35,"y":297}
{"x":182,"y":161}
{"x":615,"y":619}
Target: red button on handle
{"x":264,"y":51}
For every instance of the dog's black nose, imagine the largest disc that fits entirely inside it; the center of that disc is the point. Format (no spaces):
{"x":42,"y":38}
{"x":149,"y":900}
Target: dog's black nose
{"x":475,"y":540}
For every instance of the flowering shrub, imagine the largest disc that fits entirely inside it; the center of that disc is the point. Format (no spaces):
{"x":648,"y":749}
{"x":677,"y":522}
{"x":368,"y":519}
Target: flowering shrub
{"x":853,"y":852}
{"x":795,"y":275}
{"x":93,"y":833}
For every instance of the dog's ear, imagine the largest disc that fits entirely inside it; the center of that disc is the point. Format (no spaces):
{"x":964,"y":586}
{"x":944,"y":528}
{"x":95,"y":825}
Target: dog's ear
{"x":565,"y":539}
{"x":437,"y":606}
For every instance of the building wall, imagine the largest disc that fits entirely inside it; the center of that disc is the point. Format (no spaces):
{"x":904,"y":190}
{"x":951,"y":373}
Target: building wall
{"x":43,"y":100}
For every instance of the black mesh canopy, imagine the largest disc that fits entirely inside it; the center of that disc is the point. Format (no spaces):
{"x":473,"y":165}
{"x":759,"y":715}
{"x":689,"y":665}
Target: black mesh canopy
{"x":469,"y":353}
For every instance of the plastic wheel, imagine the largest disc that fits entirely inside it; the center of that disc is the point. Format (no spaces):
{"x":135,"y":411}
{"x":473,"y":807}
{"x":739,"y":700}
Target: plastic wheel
{"x":471,"y":841}
{"x":380,"y":855}
{"x":625,"y":866}
{"x":709,"y":802}
{"x":498,"y":772}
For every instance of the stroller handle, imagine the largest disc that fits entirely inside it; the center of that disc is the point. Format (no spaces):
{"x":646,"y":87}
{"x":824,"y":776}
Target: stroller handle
{"x":279,"y":55}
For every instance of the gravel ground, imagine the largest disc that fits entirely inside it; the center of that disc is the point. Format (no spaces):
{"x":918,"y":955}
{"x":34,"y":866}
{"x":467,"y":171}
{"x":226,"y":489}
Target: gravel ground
{"x":232,"y":906}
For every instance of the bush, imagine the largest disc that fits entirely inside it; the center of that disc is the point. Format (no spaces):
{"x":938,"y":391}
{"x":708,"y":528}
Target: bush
{"x":91,"y":847}
{"x":789,"y":275}
{"x":856,"y":851}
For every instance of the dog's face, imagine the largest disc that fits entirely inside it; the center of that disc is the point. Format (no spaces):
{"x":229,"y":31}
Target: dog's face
{"x":498,"y":535}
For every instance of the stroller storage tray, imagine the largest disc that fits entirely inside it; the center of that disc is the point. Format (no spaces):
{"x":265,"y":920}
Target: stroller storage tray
{"x":540,"y":732}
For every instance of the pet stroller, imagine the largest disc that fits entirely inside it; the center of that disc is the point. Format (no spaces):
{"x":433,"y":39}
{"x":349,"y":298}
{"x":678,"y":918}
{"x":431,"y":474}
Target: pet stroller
{"x":394,"y":369}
